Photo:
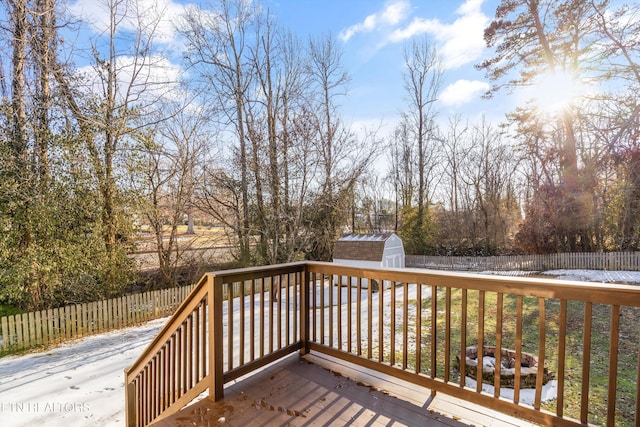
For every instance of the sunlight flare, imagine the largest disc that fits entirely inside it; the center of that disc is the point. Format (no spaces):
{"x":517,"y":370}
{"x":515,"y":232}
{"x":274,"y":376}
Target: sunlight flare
{"x":556,"y":92}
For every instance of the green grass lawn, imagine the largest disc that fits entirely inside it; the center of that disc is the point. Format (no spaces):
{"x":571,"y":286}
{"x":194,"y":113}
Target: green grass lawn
{"x":599,"y":374}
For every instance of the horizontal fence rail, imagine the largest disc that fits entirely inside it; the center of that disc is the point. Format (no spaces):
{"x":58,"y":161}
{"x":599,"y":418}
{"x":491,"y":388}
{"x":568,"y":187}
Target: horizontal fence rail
{"x":41,"y":328}
{"x":628,"y":261}
{"x":434,"y":329}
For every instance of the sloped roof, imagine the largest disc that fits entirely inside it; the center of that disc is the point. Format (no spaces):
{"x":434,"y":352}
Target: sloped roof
{"x":361,"y":247}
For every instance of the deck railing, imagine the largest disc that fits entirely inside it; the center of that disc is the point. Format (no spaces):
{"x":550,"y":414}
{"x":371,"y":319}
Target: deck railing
{"x":256,"y":320}
{"x":412,"y":324}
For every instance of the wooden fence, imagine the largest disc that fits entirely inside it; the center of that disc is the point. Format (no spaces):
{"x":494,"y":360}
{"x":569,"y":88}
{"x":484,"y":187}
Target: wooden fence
{"x":41,"y":328}
{"x":627,"y":261}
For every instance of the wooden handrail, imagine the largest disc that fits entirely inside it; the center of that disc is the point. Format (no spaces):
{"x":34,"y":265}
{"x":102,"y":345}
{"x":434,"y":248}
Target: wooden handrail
{"x":187,"y":356}
{"x":158,"y":383}
{"x":236,"y":321}
{"x":526,"y":306}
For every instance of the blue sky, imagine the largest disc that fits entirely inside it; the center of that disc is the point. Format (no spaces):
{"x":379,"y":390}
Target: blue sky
{"x":373,"y":35}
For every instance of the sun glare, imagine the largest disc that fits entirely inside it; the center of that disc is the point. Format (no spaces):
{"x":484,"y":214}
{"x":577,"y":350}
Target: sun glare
{"x":556,"y":92}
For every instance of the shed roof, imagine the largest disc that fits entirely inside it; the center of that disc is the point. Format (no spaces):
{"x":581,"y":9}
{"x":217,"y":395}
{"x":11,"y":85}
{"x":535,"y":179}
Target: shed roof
{"x":361,"y":247}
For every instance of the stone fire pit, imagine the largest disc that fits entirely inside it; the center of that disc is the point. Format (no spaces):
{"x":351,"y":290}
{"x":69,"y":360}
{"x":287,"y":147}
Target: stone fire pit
{"x":528,"y":368}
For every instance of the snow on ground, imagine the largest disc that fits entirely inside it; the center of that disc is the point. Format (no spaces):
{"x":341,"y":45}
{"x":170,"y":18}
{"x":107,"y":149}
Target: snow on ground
{"x":81,"y":382}
{"x":527,"y":395}
{"x":600,"y":276}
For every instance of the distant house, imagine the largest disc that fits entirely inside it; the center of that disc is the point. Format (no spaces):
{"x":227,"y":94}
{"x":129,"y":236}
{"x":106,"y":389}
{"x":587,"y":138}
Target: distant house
{"x":381,"y":250}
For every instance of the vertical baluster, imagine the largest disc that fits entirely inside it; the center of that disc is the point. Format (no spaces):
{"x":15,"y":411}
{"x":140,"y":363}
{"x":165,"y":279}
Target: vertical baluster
{"x":586,"y":362}
{"x":140,"y":398}
{"x":480,"y":366}
{"x":288,"y":310}
{"x":252,"y":321}
{"x":613,"y":365}
{"x":359,"y":316}
{"x":279,"y":311}
{"x":322,"y":290}
{"x":178,"y":354}
{"x":405,"y":326}
{"x":434,"y":325}
{"x":242,"y":326}
{"x":171,"y":360}
{"x":262,"y":302}
{"x":165,"y":375}
{"x":196,"y":343}
{"x":369,"y":319}
{"x":314,"y":302}
{"x":349,"y":315}
{"x":418,"y":328}
{"x":541,"y":352}
{"x":562,"y":340}
{"x":339,"y":311}
{"x":498,"y":351}
{"x":154,"y":387}
{"x":271,"y":335}
{"x":299,"y":281}
{"x":147,"y":397}
{"x":463,"y":337}
{"x":392,"y":326}
{"x":230,"y":287}
{"x":381,"y":321}
{"x":518,"y":366}
{"x":203,"y":337}
{"x":328,"y":279}
{"x":189,"y":353}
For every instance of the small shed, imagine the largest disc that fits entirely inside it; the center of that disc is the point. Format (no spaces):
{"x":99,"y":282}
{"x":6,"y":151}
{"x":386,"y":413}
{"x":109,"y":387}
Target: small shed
{"x":382,"y":250}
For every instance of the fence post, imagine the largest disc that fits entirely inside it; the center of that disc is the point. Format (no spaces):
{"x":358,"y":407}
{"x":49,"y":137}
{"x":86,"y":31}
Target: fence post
{"x":5,"y":333}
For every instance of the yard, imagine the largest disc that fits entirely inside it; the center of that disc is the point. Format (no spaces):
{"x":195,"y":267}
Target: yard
{"x":81,"y":382}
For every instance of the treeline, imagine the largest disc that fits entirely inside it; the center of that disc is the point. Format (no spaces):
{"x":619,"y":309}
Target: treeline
{"x":242,"y":125}
{"x":562,"y":173}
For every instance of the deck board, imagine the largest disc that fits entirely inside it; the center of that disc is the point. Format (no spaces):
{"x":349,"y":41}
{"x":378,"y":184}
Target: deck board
{"x":299,"y":391}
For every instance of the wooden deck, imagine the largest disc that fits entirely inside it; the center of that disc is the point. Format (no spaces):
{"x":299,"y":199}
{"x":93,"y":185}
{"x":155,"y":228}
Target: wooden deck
{"x":322,"y":391}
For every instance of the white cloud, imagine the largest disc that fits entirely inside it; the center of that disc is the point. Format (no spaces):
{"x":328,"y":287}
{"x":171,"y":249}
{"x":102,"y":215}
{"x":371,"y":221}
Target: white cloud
{"x":155,"y":78}
{"x":460,"y":42}
{"x":392,"y":14}
{"x":149,"y":15}
{"x":462,"y":92}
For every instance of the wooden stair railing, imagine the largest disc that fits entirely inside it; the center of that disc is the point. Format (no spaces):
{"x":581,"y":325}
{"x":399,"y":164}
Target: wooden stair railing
{"x":175,"y":368}
{"x":204,"y":344}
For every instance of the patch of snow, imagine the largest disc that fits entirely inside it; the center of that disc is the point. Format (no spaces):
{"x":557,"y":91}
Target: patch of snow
{"x":602,"y":276}
{"x":79,"y":383}
{"x":527,"y":395}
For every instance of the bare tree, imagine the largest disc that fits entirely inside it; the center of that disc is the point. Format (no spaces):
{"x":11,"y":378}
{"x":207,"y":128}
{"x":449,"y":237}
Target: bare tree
{"x":108,"y":111}
{"x":172,"y":157}
{"x":491,"y":171}
{"x":216,"y":48}
{"x":422,"y":80}
{"x":342,"y":155}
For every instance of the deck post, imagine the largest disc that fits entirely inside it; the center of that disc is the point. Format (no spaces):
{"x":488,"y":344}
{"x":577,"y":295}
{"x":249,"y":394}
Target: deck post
{"x":304,"y":310}
{"x":129,"y":401}
{"x":216,"y":354}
